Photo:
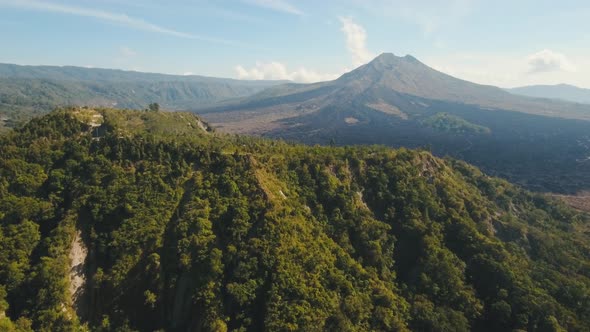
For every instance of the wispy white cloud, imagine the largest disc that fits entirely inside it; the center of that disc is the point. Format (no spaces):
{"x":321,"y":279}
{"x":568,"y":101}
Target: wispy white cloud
{"x":356,"y":41}
{"x":277,"y":5}
{"x":278,"y":71}
{"x":111,"y":17}
{"x":549,"y":61}
{"x":355,"y":37}
{"x":230,"y":15}
{"x":506,"y":69}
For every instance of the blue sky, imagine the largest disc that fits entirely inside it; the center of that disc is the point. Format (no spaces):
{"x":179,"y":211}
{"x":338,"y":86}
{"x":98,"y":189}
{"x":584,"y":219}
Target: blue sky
{"x":505,"y":43}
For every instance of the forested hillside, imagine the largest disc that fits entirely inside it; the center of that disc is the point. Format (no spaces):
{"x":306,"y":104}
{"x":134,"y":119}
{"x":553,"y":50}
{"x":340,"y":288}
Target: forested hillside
{"x":26,"y":91}
{"x":188,"y":229}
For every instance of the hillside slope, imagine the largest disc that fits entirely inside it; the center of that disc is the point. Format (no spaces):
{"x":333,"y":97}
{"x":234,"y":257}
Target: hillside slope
{"x":192,"y":230}
{"x":389,"y":78}
{"x":560,"y":91}
{"x":26,"y":91}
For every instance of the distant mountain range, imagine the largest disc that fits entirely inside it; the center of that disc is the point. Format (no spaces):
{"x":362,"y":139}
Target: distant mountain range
{"x":395,"y":83}
{"x":560,"y":91}
{"x":29,"y":90}
{"x":399,"y":101}
{"x":543,"y":144}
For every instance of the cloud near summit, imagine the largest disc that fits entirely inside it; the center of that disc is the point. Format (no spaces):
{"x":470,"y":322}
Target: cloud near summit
{"x":549,"y":61}
{"x":356,"y":41}
{"x":355,"y":38}
{"x":279,"y":71}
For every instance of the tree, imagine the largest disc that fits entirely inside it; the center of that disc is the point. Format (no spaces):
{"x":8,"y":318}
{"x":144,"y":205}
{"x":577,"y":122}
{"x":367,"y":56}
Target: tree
{"x":154,"y":107}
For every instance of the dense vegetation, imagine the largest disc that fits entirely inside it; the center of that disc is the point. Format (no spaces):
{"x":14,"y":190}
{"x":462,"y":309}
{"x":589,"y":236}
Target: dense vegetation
{"x":449,"y":123}
{"x":191,"y":230}
{"x":540,"y":153}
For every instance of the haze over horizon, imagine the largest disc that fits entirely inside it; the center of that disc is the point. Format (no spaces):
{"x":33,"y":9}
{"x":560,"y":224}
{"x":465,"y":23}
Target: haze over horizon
{"x":304,"y":41}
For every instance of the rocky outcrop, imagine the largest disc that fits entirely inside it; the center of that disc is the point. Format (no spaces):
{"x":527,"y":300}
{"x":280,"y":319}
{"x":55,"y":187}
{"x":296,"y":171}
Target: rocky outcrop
{"x":78,"y":254}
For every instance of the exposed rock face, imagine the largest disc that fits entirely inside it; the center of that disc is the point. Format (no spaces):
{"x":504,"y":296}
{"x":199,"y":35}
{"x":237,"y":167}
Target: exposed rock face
{"x":78,"y":255}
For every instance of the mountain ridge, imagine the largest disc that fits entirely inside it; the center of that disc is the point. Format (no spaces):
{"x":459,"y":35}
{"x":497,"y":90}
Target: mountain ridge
{"x":562,"y":91}
{"x":188,"y":229}
{"x":85,"y":73}
{"x":407,"y":75}
{"x":26,"y":91}
{"x":399,"y":101}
